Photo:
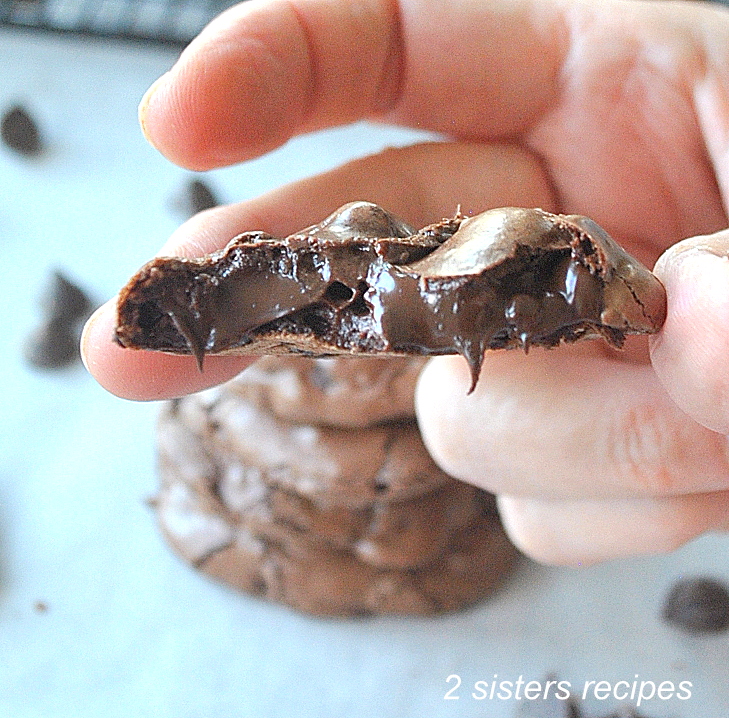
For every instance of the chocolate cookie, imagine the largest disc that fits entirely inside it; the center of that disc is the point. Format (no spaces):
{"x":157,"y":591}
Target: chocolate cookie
{"x":364,"y":282}
{"x":351,"y":392}
{"x":344,"y":467}
{"x":439,"y":552}
{"x":331,"y":582}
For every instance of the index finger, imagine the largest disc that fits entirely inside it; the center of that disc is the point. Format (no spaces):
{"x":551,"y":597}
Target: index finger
{"x":267,"y":69}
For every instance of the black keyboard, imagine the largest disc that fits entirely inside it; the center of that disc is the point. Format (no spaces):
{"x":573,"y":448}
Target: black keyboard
{"x":166,"y":21}
{"x":162,"y":21}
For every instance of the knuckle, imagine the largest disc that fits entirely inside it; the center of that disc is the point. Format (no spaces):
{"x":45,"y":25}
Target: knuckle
{"x":650,"y":447}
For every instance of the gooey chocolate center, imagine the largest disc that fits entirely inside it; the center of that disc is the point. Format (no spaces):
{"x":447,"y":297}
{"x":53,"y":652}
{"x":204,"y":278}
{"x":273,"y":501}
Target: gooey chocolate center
{"x":359,"y":289}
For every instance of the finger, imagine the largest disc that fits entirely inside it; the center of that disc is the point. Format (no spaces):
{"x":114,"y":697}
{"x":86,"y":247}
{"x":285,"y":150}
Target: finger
{"x":415,"y":182}
{"x":691,"y":354}
{"x":565,"y":424}
{"x":143,"y":375}
{"x":585,"y":532}
{"x":267,"y":69}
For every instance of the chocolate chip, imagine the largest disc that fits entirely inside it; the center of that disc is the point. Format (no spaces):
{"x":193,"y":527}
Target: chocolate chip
{"x":201,"y":196}
{"x":555,"y":705}
{"x":20,"y":132}
{"x":53,"y":345}
{"x":698,"y":605}
{"x":549,"y":709}
{"x":195,"y":196}
{"x":55,"y":342}
{"x":65,"y":300}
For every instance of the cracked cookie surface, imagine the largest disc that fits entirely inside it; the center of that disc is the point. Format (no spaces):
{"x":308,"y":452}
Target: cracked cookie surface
{"x":344,"y":467}
{"x":345,"y":392}
{"x":438,"y":546}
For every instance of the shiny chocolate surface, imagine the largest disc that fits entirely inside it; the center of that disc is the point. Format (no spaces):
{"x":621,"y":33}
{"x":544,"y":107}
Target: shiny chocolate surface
{"x":364,"y":282}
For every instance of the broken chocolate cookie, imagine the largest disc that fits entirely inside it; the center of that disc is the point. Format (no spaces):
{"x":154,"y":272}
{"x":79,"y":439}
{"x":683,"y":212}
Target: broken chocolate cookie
{"x":363,"y":282}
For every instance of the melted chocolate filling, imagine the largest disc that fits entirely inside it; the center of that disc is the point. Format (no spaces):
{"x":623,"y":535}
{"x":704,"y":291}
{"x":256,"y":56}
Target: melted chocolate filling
{"x":364,"y":282}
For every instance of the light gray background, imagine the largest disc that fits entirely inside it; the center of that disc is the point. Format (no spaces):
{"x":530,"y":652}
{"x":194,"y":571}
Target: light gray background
{"x":131,"y":631}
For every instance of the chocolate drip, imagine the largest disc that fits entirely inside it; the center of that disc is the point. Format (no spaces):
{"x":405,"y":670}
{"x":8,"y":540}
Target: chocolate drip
{"x":364,"y":282}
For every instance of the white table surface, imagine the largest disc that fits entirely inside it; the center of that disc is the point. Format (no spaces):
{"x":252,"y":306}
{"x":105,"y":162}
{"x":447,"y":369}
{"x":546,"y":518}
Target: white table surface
{"x":129,"y":630}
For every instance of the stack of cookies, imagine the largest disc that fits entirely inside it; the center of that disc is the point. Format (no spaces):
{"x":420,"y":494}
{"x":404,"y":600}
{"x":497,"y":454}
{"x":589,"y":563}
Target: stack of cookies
{"x":306,"y":481}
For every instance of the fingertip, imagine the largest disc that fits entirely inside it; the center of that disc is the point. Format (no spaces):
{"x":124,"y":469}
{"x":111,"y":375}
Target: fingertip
{"x":536,"y":535}
{"x":145,"y":375}
{"x":590,"y":531}
{"x":144,"y":112}
{"x":172,"y":123}
{"x":92,"y":335}
{"x":237,"y":90}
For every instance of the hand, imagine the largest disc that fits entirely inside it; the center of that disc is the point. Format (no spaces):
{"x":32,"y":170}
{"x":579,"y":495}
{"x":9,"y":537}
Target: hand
{"x":616,"y":109}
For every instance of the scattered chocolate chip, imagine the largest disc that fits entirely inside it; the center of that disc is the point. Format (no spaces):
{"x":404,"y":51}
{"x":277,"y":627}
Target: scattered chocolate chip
{"x":195,"y":196}
{"x":201,"y":196}
{"x":40,"y":606}
{"x":64,"y":300}
{"x":559,"y":703}
{"x":20,"y":132}
{"x":53,"y":345}
{"x":549,"y":708}
{"x":364,"y":282}
{"x":698,"y":605}
{"x":55,"y":342}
